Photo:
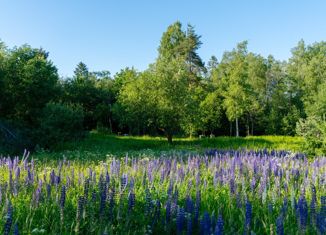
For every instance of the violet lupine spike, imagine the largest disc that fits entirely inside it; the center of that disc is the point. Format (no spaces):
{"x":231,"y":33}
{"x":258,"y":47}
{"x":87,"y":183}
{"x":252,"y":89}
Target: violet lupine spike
{"x":205,"y":224}
{"x":80,"y":207}
{"x":168,"y":211}
{"x":16,"y":229}
{"x":8,"y":223}
{"x":279,"y":225}
{"x":248,"y":215}
{"x":63,"y":197}
{"x":180,"y":220}
{"x":321,"y":223}
{"x":303,"y":212}
{"x":189,"y":224}
{"x":131,"y":200}
{"x":219,"y":228}
{"x":323,"y":206}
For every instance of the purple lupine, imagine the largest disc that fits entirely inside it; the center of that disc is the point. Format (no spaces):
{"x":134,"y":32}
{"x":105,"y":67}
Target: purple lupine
{"x":219,"y":228}
{"x":189,"y":225}
{"x":248,"y":215}
{"x":8,"y":223}
{"x":102,"y":200}
{"x":48,"y":191}
{"x":321,"y":223}
{"x":168,"y":211}
{"x":80,"y":207}
{"x":232,"y":185}
{"x":323,"y":206}
{"x":63,"y":197}
{"x":205,"y":224}
{"x":303,"y":212}
{"x":157,"y":212}
{"x":284,"y":206}
{"x":189,"y":205}
{"x":124,"y":182}
{"x":313,"y":211}
{"x":279,"y":225}
{"x":16,"y":229}
{"x":180,"y":220}
{"x":86,"y":189}
{"x":238,"y":200}
{"x":111,"y":202}
{"x":270,"y":207}
{"x":131,"y":200}
{"x":148,"y":202}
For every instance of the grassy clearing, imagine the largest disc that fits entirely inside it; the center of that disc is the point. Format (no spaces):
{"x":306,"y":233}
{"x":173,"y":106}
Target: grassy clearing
{"x":97,"y":146}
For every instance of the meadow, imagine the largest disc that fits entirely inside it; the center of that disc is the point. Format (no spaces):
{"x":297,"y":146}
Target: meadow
{"x":109,"y":184}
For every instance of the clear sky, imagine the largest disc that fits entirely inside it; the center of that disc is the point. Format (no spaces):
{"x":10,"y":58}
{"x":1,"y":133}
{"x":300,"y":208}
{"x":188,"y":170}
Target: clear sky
{"x":110,"y":35}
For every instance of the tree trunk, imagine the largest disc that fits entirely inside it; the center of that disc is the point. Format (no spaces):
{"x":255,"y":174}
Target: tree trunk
{"x":237,"y":127}
{"x":110,"y":124}
{"x":169,"y":137}
{"x":248,"y":126}
{"x":252,"y":125}
{"x":230,"y":128}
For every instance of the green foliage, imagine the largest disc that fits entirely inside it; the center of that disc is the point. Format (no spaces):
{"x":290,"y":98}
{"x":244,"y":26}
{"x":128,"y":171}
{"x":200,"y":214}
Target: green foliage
{"x":30,"y":82}
{"x":94,"y":92}
{"x":60,"y":123}
{"x":176,"y":96}
{"x":313,"y":131}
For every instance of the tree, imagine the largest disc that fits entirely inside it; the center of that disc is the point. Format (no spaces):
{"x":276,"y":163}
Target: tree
{"x":235,"y":82}
{"x":211,"y":111}
{"x":30,"y":82}
{"x":2,"y":73}
{"x":177,"y":75}
{"x":81,"y":72}
{"x":94,"y":91}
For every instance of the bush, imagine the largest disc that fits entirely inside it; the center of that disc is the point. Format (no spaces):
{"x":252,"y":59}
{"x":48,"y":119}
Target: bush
{"x":313,"y":130}
{"x":60,"y":123}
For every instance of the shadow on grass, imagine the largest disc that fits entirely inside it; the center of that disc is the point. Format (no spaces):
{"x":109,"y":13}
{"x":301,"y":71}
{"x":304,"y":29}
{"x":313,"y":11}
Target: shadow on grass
{"x":97,"y":146}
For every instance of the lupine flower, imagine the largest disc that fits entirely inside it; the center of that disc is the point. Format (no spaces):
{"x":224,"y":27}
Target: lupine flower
{"x":157,"y":212}
{"x":131,"y":200}
{"x":189,"y":225}
{"x":313,"y":210}
{"x":180,"y":220}
{"x":16,"y":229}
{"x":279,"y":225}
{"x":219,"y":228}
{"x":205,"y":224}
{"x":8,"y":223}
{"x":86,"y":188}
{"x":124,"y":182}
{"x":148,"y":201}
{"x":321,"y":223}
{"x":323,"y":206}
{"x":248,"y":214}
{"x":168,"y":211}
{"x":303,"y":212}
{"x":63,"y":196}
{"x":80,"y":207}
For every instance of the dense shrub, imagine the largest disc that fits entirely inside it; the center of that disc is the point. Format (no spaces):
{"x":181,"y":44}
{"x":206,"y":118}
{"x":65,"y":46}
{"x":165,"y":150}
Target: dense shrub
{"x":60,"y":123}
{"x":313,"y":130}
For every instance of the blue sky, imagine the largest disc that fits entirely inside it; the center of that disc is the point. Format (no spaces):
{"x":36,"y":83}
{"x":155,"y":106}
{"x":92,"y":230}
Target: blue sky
{"x":110,"y":35}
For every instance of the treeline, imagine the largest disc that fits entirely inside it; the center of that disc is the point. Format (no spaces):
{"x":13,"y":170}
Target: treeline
{"x":243,"y":94}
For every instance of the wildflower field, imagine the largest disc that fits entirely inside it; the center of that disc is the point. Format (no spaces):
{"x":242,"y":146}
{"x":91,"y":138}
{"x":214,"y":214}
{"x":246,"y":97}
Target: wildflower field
{"x":216,"y":192}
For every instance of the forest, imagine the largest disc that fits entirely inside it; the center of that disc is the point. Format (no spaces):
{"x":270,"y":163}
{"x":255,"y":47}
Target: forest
{"x":179,"y":94}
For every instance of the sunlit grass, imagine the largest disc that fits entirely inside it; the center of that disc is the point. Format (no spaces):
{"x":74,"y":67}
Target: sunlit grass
{"x":97,"y":146}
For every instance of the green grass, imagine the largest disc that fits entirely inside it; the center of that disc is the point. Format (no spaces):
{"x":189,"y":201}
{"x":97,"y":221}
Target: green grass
{"x":98,"y":146}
